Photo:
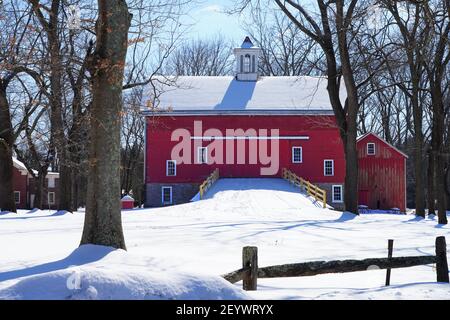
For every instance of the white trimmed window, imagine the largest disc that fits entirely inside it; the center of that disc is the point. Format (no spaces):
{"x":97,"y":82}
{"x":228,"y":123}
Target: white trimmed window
{"x":297,"y":155}
{"x":337,"y":193}
{"x":247,"y":63}
{"x":328,"y":168}
{"x":371,"y":149}
{"x":166,"y":195}
{"x":51,"y":182}
{"x":202,"y":155}
{"x":51,"y":198}
{"x":17,"y":197}
{"x":171,"y":168}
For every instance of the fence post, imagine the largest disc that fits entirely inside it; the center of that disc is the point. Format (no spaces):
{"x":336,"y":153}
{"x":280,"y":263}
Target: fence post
{"x":441,"y":260}
{"x":388,"y":270}
{"x":250,"y":259}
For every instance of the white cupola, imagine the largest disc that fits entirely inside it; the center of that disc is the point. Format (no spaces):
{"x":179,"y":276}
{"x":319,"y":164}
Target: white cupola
{"x":247,"y":57}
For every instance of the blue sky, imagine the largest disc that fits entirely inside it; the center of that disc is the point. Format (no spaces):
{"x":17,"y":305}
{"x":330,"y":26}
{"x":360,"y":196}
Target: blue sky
{"x":209,"y":20}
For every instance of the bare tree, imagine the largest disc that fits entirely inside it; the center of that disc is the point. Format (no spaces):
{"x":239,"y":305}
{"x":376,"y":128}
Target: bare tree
{"x":17,"y":46}
{"x":334,"y":30}
{"x":286,"y":51}
{"x":51,"y":23}
{"x":209,"y":57}
{"x":103,"y":223}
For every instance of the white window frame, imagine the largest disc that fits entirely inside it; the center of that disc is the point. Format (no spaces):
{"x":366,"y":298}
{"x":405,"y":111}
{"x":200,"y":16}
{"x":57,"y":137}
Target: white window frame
{"x":199,"y":158}
{"x":162,"y":195}
{"x":174,"y":168}
{"x":301,"y":154}
{"x":374,"y":149}
{"x":325,"y":168}
{"x":48,"y":198}
{"x":17,"y":192}
{"x":342,"y":193}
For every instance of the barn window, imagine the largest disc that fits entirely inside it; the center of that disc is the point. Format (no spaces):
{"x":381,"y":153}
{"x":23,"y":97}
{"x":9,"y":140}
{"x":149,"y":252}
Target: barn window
{"x":297,"y":155}
{"x":166,"y":195}
{"x":171,"y":168}
{"x":51,"y":198}
{"x":337,"y":194}
{"x":247,"y":63}
{"x":328,"y":167}
{"x":371,"y":149}
{"x":202,"y":155}
{"x":17,"y":197}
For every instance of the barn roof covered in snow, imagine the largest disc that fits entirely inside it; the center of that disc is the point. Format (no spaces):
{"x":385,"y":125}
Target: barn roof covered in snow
{"x":216,"y":95}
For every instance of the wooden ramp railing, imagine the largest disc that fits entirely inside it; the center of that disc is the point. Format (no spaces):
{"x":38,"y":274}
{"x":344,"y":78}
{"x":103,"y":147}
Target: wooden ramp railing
{"x":308,"y":187}
{"x":206,"y":185}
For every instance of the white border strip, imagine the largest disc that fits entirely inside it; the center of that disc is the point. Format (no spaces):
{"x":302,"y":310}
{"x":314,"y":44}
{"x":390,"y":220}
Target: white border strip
{"x":208,"y":138}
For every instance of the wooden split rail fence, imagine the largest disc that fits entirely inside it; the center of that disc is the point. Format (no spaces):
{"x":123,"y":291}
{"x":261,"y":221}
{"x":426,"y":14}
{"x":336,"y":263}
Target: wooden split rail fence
{"x":206,"y":185}
{"x":250,"y":272}
{"x":311,"y":189}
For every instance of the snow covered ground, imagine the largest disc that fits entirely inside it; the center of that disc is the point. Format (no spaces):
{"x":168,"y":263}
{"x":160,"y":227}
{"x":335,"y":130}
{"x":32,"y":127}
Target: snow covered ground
{"x":178,"y":252}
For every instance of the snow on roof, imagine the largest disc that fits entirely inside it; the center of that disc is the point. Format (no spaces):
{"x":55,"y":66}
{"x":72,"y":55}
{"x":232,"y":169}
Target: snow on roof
{"x":21,"y":166}
{"x":203,"y":94}
{"x":127,"y":198}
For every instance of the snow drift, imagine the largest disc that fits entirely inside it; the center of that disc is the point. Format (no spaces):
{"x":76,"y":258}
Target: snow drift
{"x":96,"y":272}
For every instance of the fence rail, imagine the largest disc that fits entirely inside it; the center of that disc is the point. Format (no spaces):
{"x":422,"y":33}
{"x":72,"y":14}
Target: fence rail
{"x":308,"y":187}
{"x":250,"y":271}
{"x":206,"y":185}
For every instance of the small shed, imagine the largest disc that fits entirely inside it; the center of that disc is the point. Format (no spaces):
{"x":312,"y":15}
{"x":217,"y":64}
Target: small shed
{"x":127,"y":202}
{"x":382,"y":174}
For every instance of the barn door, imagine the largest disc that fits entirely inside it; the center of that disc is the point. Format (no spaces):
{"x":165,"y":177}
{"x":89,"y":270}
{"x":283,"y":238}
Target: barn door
{"x":364,"y":197}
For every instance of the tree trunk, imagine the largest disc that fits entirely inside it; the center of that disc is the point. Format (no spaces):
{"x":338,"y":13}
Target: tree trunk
{"x":352,"y":108}
{"x":351,"y":172}
{"x":57,"y":135}
{"x":439,"y":150}
{"x":103,"y":222}
{"x":7,"y":202}
{"x":418,"y":152}
{"x":40,"y":190}
{"x":431,"y":180}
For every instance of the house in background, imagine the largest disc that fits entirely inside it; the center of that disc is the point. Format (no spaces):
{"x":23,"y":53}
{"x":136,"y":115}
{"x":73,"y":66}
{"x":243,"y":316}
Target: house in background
{"x":309,"y":143}
{"x":25,"y":188}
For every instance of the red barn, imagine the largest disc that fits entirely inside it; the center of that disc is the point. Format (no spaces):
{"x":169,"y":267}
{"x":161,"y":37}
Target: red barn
{"x":244,"y":125}
{"x":382,"y":174}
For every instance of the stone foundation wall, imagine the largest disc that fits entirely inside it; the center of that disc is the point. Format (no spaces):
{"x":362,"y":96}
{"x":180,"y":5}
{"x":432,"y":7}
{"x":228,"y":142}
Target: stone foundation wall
{"x":181,"y":193}
{"x":328,"y":188}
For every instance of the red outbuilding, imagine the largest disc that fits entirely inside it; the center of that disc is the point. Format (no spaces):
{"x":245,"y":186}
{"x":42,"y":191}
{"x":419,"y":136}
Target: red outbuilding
{"x":382,"y":174}
{"x":127,"y":202}
{"x":246,"y":125}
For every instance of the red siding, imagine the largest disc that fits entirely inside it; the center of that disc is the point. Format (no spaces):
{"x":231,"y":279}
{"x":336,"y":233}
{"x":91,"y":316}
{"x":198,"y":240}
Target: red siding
{"x":381,"y":182}
{"x":324,"y":143}
{"x":20,"y":184}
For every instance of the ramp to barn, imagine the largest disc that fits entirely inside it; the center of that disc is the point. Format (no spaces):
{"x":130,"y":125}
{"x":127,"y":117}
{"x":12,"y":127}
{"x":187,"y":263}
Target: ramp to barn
{"x":259,"y":192}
